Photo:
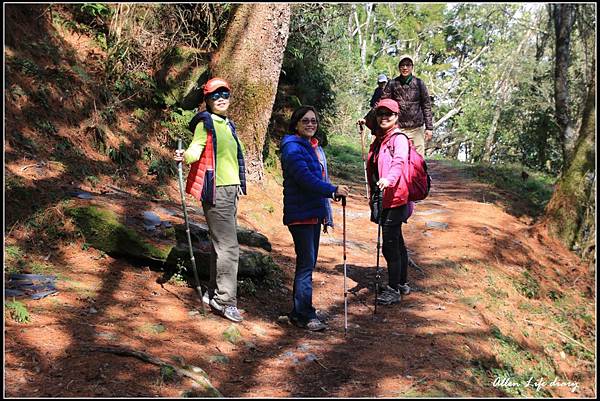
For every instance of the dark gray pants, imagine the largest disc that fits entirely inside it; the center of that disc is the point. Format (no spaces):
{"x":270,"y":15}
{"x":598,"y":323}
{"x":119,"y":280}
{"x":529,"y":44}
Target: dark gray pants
{"x":225,"y":255}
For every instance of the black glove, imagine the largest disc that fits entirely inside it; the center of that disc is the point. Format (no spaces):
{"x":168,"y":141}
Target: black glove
{"x":375,"y":204}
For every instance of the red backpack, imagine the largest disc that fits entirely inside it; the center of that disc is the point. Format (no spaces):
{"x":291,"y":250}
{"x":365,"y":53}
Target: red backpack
{"x":418,"y":180}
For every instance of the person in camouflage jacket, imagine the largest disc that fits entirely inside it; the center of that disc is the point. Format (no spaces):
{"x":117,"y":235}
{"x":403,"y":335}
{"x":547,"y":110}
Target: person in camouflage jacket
{"x":415,"y":118}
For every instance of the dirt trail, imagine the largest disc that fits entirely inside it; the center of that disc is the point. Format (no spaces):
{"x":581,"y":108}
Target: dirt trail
{"x":430,"y":345}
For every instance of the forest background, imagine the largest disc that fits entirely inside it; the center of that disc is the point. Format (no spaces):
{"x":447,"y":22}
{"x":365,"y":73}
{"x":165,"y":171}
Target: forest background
{"x":511,"y":84}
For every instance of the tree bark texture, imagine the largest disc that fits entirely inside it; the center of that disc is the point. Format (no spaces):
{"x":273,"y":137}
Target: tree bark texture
{"x":250,"y":58}
{"x":570,"y":214}
{"x":564,"y":17}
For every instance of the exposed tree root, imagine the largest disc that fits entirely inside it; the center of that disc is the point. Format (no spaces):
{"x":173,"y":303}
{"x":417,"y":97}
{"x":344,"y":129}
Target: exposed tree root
{"x":193,"y":372}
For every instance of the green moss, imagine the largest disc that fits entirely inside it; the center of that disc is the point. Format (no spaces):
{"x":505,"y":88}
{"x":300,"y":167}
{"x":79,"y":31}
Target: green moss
{"x":184,"y":68}
{"x":103,"y":231}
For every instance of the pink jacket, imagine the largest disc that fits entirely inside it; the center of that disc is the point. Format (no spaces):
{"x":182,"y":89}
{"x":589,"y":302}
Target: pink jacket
{"x":393,"y":168}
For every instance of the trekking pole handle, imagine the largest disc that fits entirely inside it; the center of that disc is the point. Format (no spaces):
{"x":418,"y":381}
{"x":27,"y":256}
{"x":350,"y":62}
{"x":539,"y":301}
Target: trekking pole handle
{"x":178,"y":143}
{"x":337,"y":198}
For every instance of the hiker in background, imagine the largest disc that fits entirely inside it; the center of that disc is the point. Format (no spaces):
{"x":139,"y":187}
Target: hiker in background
{"x":381,"y":81}
{"x":306,"y":206}
{"x":369,"y":119}
{"x":415,"y":118}
{"x":216,"y":178}
{"x":386,"y":174}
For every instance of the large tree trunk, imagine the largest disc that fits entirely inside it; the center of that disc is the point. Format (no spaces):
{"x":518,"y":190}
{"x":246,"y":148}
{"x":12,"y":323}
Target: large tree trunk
{"x":249,"y":58}
{"x":570,"y":214}
{"x":564,"y":17}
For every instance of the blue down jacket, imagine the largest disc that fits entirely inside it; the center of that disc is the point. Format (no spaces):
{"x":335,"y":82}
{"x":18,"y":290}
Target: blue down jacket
{"x":305,"y":193}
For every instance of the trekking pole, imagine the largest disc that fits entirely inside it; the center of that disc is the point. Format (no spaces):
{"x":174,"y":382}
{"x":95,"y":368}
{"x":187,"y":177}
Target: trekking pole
{"x":378,"y":270}
{"x":187,"y":229}
{"x":345,"y":288}
{"x":362,"y":150}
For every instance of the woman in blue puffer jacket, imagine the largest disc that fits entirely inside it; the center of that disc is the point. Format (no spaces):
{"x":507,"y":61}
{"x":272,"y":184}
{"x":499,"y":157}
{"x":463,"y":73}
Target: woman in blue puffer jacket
{"x":306,"y":196}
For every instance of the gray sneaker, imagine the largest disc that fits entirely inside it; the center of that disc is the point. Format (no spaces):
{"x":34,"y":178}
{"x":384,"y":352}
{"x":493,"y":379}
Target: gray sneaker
{"x":389,"y":296}
{"x":404,"y":289}
{"x":315,"y":325}
{"x":229,"y":311}
{"x":312,"y":324}
{"x":215,"y":305}
{"x":232,"y":313}
{"x":322,"y":315}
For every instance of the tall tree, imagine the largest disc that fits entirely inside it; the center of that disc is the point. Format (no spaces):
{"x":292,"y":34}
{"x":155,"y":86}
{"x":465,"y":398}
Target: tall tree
{"x":564,"y":17}
{"x":570,"y":213}
{"x":250,"y":57}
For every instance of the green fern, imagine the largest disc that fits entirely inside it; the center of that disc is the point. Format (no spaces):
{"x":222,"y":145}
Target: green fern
{"x":18,"y":312}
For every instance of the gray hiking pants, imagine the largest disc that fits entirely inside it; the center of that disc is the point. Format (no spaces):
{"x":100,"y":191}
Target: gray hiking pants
{"x":225,"y":255}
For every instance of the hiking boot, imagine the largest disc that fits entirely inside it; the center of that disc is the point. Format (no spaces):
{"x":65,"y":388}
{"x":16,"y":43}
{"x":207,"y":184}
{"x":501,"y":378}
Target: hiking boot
{"x":389,"y":296}
{"x":404,"y":289}
{"x":228,"y":312}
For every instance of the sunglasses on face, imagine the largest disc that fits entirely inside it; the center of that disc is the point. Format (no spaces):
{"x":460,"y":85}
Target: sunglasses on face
{"x":307,"y":121}
{"x":385,"y":114}
{"x":218,"y":95}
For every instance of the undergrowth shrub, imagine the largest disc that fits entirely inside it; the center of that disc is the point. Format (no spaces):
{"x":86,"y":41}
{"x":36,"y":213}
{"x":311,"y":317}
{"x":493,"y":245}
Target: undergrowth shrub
{"x":17,"y":311}
{"x":163,"y":168}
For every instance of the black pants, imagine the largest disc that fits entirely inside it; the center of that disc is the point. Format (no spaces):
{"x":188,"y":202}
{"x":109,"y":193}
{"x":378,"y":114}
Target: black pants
{"x":393,"y":247}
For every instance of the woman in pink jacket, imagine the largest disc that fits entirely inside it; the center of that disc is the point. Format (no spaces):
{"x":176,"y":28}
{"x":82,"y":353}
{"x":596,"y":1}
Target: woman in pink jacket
{"x":386,"y":172}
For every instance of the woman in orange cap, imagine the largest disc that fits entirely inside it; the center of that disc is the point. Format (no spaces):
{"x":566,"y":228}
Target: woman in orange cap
{"x":216,"y":178}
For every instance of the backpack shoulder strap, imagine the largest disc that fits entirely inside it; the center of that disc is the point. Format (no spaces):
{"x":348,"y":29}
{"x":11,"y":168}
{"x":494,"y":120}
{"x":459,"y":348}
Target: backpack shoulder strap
{"x":201,"y":116}
{"x":421,"y":86}
{"x":390,"y":142}
{"x":232,"y":126}
{"x":204,"y":118}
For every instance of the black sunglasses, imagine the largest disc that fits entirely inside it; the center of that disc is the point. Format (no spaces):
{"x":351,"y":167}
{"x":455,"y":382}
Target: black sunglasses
{"x":384,"y":113}
{"x":218,"y":95}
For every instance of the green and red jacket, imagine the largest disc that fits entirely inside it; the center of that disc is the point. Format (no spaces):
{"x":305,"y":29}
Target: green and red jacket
{"x":201,"y":180}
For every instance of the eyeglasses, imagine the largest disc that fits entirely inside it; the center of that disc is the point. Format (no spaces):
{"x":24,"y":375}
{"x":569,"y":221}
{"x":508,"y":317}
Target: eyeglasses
{"x":218,"y":95}
{"x":307,"y":121}
{"x":385,"y":114}
{"x":406,"y":65}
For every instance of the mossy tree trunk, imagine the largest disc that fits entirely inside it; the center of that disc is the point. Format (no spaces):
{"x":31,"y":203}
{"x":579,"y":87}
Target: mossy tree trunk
{"x":250,"y":58}
{"x":563,"y":15}
{"x":570,"y":214}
